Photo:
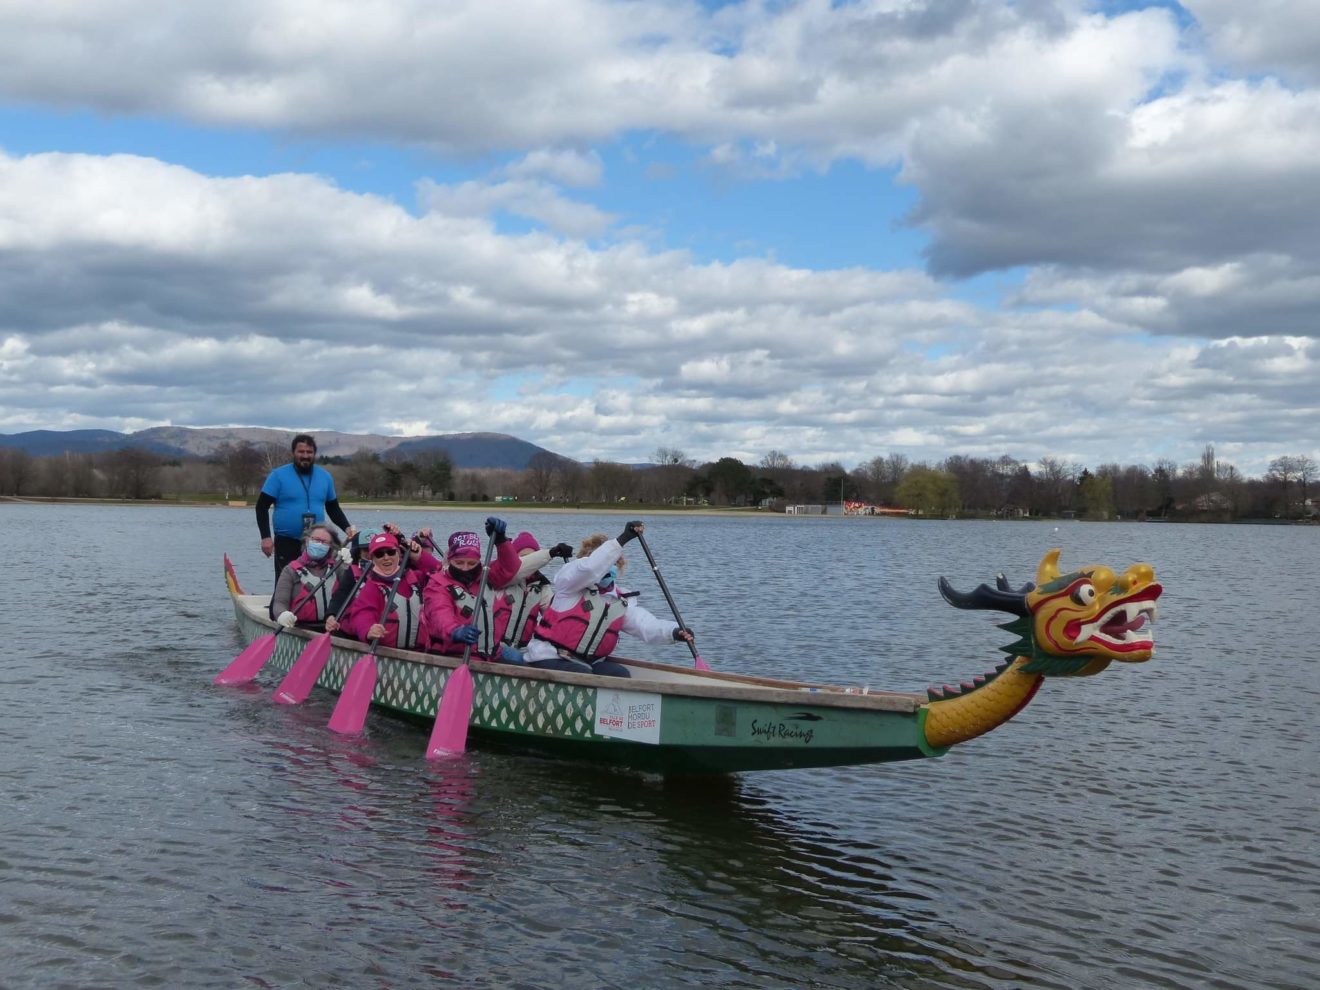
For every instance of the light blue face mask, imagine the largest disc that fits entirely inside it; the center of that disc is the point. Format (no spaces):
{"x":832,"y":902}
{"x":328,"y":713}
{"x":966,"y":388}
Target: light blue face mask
{"x":607,"y":579}
{"x":316,"y":550}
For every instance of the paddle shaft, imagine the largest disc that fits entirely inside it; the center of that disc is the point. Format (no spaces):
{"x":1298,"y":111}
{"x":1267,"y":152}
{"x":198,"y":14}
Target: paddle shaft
{"x":362,"y":579}
{"x":664,"y":588}
{"x":481,"y":595}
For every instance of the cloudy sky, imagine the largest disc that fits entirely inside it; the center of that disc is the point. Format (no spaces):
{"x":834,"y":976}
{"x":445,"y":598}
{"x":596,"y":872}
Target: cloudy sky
{"x":1044,"y":228}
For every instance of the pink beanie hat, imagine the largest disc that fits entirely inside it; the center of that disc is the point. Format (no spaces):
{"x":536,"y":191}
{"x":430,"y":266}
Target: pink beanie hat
{"x":525,"y":541}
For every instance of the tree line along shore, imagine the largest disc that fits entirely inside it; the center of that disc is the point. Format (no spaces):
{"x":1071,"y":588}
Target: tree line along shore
{"x":959,"y":486}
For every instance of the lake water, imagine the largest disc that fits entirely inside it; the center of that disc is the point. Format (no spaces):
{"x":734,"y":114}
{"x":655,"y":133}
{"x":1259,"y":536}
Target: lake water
{"x":1153,"y":826}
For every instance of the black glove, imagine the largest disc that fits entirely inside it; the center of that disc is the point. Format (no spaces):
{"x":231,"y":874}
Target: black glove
{"x":633,"y":528}
{"x":561,"y":550}
{"x":495,"y":527}
{"x":682,"y":635}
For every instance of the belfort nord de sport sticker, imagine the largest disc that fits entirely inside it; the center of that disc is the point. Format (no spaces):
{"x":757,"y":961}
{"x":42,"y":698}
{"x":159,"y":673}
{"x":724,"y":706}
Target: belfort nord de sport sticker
{"x":631,"y":715}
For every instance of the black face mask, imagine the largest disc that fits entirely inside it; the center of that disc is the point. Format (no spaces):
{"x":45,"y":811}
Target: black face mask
{"x":465,"y":577}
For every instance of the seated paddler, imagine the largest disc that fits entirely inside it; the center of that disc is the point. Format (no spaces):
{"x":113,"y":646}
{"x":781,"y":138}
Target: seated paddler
{"x":587,"y":613}
{"x":367,"y":618}
{"x":303,"y":591}
{"x":530,"y":591}
{"x":455,"y":619}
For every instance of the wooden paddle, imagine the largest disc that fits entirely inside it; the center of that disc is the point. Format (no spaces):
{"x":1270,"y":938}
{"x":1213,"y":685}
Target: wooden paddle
{"x":350,"y":712}
{"x":248,"y":664}
{"x":302,"y":676}
{"x":697,"y":662}
{"x":449,"y":734}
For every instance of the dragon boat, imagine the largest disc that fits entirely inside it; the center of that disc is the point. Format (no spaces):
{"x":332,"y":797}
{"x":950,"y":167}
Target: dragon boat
{"x":672,"y":719}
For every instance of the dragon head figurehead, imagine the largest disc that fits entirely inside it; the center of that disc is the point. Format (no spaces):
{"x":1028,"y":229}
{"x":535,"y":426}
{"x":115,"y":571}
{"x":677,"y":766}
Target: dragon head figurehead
{"x":1074,"y":623}
{"x":1067,"y":625}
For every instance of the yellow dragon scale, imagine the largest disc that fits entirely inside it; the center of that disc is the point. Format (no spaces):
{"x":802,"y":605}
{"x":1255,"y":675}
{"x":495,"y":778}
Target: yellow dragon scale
{"x":959,"y":719}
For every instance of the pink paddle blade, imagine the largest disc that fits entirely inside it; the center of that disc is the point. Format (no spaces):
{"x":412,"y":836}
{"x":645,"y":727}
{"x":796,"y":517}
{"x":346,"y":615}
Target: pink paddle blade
{"x":449,"y":734}
{"x":247,"y":664}
{"x":350,"y":712}
{"x":699,"y":663}
{"x":299,"y":681}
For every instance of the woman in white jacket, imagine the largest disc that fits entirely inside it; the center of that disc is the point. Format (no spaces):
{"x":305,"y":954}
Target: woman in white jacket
{"x":586,"y":614}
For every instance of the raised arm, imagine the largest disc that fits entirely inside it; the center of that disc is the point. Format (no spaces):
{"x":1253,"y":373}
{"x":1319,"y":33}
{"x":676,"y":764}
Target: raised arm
{"x":580,"y":574}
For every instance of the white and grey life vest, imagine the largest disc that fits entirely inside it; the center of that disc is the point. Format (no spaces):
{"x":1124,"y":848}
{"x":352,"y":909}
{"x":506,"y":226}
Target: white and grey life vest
{"x":465,"y":604}
{"x":526,"y":600}
{"x":408,"y":613}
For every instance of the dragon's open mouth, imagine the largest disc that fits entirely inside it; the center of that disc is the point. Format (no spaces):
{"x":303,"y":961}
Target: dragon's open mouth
{"x":1123,"y":628}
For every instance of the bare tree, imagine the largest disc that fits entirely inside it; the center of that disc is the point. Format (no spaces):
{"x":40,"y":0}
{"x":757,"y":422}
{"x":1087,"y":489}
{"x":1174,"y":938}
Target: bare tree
{"x":662,"y":483}
{"x":1057,"y":482}
{"x":365,"y":476}
{"x":609,"y":482}
{"x":539,"y":478}
{"x":978,"y":483}
{"x":1305,"y":472}
{"x":776,"y":460}
{"x":244,"y":466}
{"x":672,"y":456}
{"x":1283,"y":470}
{"x":569,"y":479}
{"x":17,"y":471}
{"x":134,"y":473}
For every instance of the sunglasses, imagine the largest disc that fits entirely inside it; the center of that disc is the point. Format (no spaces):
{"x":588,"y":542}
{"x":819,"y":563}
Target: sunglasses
{"x":384,"y":553}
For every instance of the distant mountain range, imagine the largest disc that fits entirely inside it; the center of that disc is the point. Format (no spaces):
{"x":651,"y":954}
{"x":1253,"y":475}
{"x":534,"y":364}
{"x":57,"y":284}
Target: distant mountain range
{"x":466,"y":450}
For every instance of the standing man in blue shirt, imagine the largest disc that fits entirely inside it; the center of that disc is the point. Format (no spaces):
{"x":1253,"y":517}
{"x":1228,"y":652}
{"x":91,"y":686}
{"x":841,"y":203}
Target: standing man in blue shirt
{"x":303,"y":495}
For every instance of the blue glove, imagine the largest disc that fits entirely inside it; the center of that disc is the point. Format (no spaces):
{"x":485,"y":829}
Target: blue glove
{"x":509,"y":655}
{"x":465,"y":634}
{"x":495,"y":527}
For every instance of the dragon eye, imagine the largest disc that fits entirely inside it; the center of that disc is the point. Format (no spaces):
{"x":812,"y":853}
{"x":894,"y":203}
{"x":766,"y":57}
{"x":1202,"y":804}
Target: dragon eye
{"x":1084,"y":594}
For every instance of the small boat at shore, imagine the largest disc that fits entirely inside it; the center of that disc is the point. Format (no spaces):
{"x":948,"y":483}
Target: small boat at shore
{"x":671,"y":719}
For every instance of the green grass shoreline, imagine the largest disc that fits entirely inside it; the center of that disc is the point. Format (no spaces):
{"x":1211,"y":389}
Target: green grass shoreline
{"x":637,"y":509}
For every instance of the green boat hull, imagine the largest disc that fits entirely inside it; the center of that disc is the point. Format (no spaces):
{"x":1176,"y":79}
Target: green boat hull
{"x":664,"y":719}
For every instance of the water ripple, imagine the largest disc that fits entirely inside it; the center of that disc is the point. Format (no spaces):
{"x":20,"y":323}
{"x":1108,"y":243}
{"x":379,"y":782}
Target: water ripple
{"x":1152,"y":827}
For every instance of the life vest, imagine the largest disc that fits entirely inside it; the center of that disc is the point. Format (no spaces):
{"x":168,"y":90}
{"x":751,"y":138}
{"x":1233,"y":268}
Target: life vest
{"x":487,"y":620}
{"x":311,"y":607}
{"x":588,"y":629}
{"x":405,"y":615}
{"x":525,"y":601}
{"x":406,"y":611}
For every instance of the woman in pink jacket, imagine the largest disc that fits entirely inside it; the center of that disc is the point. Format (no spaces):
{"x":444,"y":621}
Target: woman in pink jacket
{"x":454,"y":618}
{"x":366,"y":618}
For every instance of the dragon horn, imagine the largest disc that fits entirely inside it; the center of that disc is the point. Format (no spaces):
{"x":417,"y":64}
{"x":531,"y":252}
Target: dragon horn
{"x":1002,"y":584}
{"x":1049,"y":567}
{"x":985,"y":597}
